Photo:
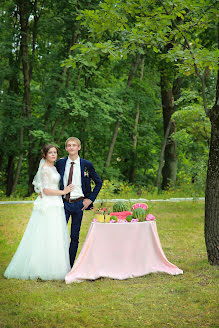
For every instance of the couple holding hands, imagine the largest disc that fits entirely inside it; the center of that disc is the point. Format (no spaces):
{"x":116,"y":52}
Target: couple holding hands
{"x":44,"y":251}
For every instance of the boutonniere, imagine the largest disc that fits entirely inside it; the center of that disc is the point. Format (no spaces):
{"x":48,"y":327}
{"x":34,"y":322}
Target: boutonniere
{"x":86,"y":173}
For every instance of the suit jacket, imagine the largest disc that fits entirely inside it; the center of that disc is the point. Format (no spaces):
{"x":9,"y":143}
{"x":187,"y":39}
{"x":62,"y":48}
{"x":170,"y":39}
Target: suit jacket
{"x":87,"y":173}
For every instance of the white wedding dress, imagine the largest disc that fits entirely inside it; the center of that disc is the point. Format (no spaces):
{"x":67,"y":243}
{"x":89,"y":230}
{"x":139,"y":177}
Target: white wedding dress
{"x":44,"y":249}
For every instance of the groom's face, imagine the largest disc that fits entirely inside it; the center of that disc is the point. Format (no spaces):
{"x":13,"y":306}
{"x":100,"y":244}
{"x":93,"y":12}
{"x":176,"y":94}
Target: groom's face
{"x":72,"y":148}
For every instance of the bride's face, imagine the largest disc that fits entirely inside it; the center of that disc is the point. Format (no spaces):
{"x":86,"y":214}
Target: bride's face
{"x":51,"y":156}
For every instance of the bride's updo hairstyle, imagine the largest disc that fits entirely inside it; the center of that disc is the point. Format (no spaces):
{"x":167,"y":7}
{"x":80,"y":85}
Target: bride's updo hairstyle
{"x":46,"y":148}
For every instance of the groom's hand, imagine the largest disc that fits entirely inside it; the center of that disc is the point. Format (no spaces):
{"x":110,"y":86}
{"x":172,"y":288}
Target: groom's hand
{"x":86,"y":203}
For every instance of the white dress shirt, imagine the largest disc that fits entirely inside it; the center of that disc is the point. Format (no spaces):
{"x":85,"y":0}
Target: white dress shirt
{"x":76,"y":179}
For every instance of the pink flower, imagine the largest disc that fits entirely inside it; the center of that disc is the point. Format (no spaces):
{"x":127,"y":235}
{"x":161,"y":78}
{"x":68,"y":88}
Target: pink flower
{"x":150,"y":217}
{"x":142,"y":205}
{"x":102,"y":211}
{"x":112,"y":221}
{"x":121,"y":221}
{"x":94,"y":220}
{"x":134,"y":220}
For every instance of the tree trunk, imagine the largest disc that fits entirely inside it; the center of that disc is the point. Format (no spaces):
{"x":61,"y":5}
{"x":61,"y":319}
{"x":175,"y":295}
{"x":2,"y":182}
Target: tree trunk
{"x":84,"y":146}
{"x":135,"y":132}
{"x":24,"y":6}
{"x":212,"y":192}
{"x":32,"y":168}
{"x":1,"y":158}
{"x":62,"y":130}
{"x":10,"y":175}
{"x":132,"y":73}
{"x":170,"y":167}
{"x":18,"y":170}
{"x":162,"y":155}
{"x":24,"y":13}
{"x":13,"y":90}
{"x":212,"y":185}
{"x":115,"y":133}
{"x":133,"y":153}
{"x":63,"y":78}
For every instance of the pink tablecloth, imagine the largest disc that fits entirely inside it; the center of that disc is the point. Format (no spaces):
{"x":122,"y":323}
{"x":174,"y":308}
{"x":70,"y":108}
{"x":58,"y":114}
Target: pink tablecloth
{"x":120,"y":251}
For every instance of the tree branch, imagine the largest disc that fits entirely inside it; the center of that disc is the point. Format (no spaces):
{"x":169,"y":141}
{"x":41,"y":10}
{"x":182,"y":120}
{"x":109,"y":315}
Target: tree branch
{"x":200,"y":76}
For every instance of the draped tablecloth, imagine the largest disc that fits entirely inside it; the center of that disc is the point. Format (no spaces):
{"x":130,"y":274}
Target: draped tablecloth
{"x":120,"y":251}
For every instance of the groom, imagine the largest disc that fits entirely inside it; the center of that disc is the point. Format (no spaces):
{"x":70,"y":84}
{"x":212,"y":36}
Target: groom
{"x":77,"y":171}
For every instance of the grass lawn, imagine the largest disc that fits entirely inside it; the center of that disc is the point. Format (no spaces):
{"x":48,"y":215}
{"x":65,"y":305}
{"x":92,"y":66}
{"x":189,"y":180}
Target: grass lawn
{"x":155,"y":300}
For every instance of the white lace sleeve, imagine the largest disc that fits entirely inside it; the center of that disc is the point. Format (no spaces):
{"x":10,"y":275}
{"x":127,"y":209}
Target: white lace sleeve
{"x":37,"y":179}
{"x":45,"y":177}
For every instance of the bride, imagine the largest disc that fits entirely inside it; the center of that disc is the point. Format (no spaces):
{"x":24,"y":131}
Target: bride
{"x":44,"y":249}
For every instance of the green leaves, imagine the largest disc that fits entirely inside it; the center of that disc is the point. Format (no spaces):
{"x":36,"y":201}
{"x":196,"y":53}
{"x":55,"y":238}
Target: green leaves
{"x":80,"y":68}
{"x":41,"y":136}
{"x":202,"y":57}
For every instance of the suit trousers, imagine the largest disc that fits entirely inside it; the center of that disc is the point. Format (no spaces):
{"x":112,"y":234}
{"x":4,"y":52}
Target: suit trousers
{"x":75,"y":211}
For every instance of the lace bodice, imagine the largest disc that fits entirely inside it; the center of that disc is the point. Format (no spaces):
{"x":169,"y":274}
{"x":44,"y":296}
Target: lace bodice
{"x":50,"y":177}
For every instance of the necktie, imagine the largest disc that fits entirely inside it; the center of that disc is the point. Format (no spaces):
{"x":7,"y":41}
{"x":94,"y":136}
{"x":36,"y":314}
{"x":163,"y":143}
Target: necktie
{"x":67,"y":197}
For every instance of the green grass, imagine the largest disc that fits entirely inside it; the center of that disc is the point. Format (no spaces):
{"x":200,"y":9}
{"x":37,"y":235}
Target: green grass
{"x":155,"y":300}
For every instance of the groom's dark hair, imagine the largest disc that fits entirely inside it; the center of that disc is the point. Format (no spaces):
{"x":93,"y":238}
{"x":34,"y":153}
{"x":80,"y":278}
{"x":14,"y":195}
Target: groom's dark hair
{"x":46,"y":148}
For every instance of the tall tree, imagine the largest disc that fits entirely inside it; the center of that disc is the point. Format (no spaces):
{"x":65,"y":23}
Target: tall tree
{"x":198,"y":62}
{"x":212,"y":184}
{"x":170,"y":158}
{"x":10,"y":89}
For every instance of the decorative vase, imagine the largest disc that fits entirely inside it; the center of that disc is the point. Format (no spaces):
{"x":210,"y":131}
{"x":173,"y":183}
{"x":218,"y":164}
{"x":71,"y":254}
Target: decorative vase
{"x":100,"y":217}
{"x":107,"y":218}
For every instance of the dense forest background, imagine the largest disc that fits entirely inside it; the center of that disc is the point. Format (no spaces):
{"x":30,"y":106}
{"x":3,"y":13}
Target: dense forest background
{"x":134,"y":80}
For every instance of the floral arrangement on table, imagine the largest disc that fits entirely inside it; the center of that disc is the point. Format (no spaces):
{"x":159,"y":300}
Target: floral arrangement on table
{"x":102,"y":215}
{"x":138,"y":214}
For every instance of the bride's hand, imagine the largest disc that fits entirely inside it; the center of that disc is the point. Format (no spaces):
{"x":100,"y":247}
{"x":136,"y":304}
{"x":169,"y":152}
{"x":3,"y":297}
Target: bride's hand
{"x":68,"y":188}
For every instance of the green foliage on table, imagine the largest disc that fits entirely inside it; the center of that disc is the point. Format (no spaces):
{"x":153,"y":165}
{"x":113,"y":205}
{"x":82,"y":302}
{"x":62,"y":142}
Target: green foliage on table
{"x":139,"y":213}
{"x":114,"y":217}
{"x":121,"y":206}
{"x":129,"y":218}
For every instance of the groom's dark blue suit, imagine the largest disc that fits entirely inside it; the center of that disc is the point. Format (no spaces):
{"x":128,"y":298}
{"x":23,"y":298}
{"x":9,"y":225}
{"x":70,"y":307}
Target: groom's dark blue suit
{"x":75,"y":209}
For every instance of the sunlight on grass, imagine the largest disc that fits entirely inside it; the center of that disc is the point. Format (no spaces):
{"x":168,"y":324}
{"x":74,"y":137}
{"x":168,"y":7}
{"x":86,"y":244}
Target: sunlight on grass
{"x":155,"y":300}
